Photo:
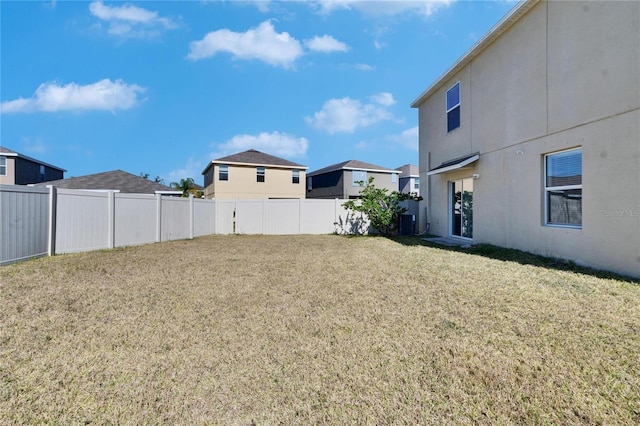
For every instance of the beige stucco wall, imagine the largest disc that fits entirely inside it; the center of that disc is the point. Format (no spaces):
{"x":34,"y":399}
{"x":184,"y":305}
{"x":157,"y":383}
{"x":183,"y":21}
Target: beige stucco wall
{"x":242,"y":184}
{"x":10,"y":177}
{"x":565,"y":75}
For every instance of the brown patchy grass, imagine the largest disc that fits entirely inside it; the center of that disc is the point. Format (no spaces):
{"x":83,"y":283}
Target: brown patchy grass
{"x":313,"y":330}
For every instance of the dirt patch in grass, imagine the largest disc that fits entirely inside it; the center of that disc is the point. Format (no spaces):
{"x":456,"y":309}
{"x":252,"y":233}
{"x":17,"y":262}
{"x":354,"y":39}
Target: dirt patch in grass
{"x":313,"y":329}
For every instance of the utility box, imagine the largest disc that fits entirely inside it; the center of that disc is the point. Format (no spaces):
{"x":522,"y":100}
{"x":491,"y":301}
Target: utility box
{"x":407,"y":224}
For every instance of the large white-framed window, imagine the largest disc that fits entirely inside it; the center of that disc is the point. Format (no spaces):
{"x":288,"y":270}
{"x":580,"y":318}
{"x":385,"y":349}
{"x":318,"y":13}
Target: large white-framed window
{"x":3,"y":166}
{"x":453,"y":107}
{"x":563,"y":188}
{"x":223,"y":172}
{"x":359,"y":176}
{"x":295,"y":176}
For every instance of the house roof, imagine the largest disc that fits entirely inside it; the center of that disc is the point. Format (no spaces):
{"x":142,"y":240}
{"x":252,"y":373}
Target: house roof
{"x":409,"y":170}
{"x":494,"y":33}
{"x":116,"y":180}
{"x":352,"y":165}
{"x":253,"y":157}
{"x":6,"y":152}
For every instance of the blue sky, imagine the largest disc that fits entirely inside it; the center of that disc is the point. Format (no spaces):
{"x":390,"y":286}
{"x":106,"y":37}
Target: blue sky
{"x":165,"y":87}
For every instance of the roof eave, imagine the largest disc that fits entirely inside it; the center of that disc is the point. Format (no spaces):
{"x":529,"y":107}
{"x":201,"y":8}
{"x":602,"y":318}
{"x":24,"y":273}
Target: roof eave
{"x":496,"y":31}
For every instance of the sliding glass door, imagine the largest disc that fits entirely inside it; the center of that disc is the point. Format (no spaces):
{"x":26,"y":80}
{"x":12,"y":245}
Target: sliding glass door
{"x":461,"y":212}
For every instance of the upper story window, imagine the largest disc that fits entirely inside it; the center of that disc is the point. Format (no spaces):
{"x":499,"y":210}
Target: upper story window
{"x":260,"y":175}
{"x":309,"y":183}
{"x":563,"y":188}
{"x":295,"y":176}
{"x":416,"y":184}
{"x":223,"y":172}
{"x":359,"y":176}
{"x":453,"y":107}
{"x":42,"y":173}
{"x":3,"y":166}
{"x":394,"y":177}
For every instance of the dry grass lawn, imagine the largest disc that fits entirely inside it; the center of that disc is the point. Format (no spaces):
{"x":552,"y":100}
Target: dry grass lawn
{"x":313,"y":330}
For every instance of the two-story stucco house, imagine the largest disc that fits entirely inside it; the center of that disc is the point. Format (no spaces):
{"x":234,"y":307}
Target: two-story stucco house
{"x":254,"y":175}
{"x":343,"y":180}
{"x":531,"y":140}
{"x":409,"y":180}
{"x":19,"y":169}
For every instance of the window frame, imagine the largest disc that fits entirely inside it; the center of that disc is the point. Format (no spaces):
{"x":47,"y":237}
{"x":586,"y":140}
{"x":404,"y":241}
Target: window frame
{"x":358,"y":173}
{"x":546,"y":189}
{"x":43,"y":173}
{"x":224,"y":172}
{"x":3,"y":165}
{"x":449,"y":110}
{"x":295,"y":176}
{"x":261,"y":174}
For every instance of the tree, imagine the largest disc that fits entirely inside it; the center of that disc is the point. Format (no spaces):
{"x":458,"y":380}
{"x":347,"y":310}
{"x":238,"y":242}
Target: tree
{"x":382,"y":209}
{"x":147,"y":176}
{"x":185,"y":185}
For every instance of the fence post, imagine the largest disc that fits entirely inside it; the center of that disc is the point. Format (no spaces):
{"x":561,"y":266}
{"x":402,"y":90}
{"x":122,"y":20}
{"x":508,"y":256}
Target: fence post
{"x":299,"y":216}
{"x":191,"y":217}
{"x":158,"y":218}
{"x":111,"y":219}
{"x":53,"y":207}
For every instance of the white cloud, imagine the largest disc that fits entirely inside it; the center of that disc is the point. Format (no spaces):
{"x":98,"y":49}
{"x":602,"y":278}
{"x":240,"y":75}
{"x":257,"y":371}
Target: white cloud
{"x":105,"y":95}
{"x":364,"y":67}
{"x":378,"y":8}
{"x":326,"y":43}
{"x":131,"y":21}
{"x":408,"y":138}
{"x":275,"y":143}
{"x":383,"y":98}
{"x":193,"y":170}
{"x":263,"y":43}
{"x":34,"y":145}
{"x":346,"y":115}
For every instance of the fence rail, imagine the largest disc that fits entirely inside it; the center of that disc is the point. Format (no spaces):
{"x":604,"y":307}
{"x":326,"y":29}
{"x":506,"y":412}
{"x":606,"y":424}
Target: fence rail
{"x":40,"y":221}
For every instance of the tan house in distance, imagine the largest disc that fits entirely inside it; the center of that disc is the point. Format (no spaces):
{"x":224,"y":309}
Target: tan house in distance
{"x":254,"y":175}
{"x":531,"y":140}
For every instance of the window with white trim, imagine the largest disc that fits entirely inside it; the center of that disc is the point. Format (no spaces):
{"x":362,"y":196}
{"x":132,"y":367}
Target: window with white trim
{"x":416,"y":184}
{"x":260,"y":174}
{"x":223,"y":172}
{"x":295,"y":176}
{"x":394,"y":177}
{"x":3,"y":166}
{"x":453,"y":107}
{"x":359,"y":177}
{"x":563,"y":188}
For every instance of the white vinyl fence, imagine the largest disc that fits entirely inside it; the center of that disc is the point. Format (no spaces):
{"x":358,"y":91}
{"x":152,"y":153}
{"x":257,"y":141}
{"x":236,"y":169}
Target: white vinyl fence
{"x":40,"y":221}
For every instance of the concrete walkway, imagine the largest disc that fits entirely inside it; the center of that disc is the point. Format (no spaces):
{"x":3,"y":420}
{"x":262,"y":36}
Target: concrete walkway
{"x":449,"y":242}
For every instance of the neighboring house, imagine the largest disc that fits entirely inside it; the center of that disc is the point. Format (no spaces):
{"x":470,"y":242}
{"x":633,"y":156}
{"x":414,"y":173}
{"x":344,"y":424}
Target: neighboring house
{"x":254,"y":175}
{"x":116,"y":180}
{"x":18,"y":169}
{"x":409,"y":179}
{"x":531,"y":140}
{"x":342,"y":180}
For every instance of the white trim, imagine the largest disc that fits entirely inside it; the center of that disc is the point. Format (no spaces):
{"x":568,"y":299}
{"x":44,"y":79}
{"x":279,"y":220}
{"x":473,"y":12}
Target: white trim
{"x":271,"y":166}
{"x":448,"y":110}
{"x":455,"y":166}
{"x":546,"y":189}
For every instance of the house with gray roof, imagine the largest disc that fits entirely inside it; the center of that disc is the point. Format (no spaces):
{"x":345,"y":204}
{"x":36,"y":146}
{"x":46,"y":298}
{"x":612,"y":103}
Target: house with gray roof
{"x":19,"y":169}
{"x":116,"y":180}
{"x":254,"y":175}
{"x":343,"y":180}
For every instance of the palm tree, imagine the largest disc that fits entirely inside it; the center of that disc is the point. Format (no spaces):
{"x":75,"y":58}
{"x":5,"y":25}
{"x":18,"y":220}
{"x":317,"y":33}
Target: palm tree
{"x":184,"y":185}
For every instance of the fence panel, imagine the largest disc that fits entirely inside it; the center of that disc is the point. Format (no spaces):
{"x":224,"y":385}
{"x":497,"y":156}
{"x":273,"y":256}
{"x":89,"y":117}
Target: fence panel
{"x":318,"y":216}
{"x":175,"y":215}
{"x":82,"y":221}
{"x":204,"y":216}
{"x":136,"y":220}
{"x":250,"y":216}
{"x":281,"y":217}
{"x":24,"y":223}
{"x":225,"y":217}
